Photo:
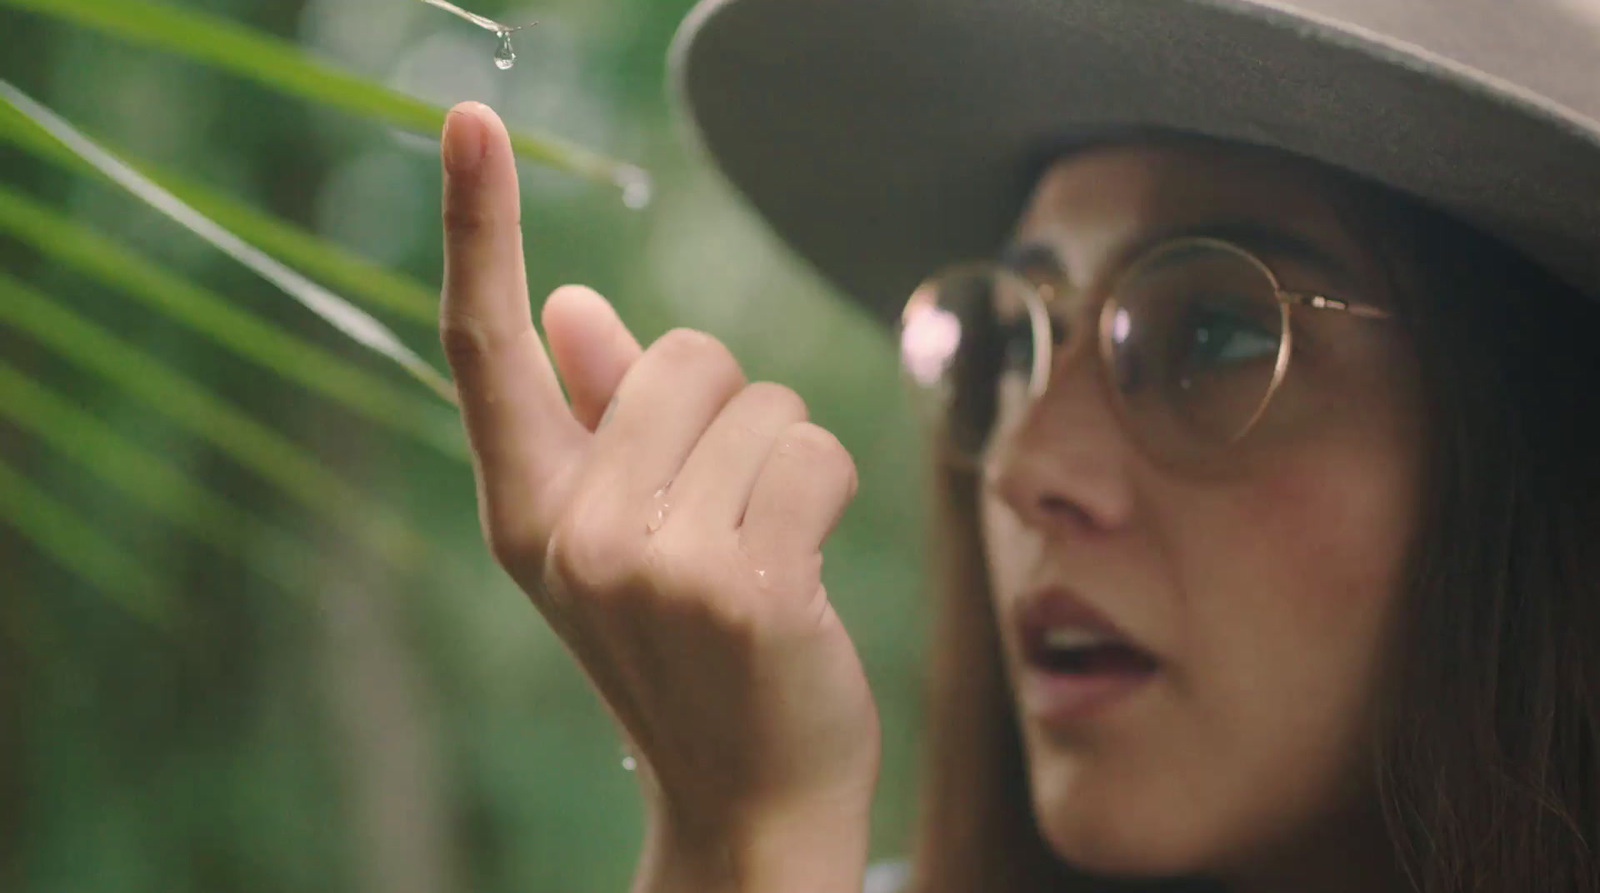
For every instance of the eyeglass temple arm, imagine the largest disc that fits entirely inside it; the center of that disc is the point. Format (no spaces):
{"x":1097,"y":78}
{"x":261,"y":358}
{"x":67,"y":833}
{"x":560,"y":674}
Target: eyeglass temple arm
{"x":1323,"y":302}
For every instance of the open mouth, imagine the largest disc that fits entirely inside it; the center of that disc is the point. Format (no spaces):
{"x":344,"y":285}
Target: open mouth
{"x":1076,"y":651}
{"x":1078,"y":662}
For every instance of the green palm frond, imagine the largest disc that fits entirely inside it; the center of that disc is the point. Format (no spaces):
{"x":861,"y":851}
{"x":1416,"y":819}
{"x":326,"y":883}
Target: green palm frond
{"x":143,"y":477}
{"x":300,"y":263}
{"x":169,"y":493}
{"x":282,"y":67}
{"x":350,"y":320}
{"x":254,"y":445}
{"x":273,"y":348}
{"x":74,"y":541}
{"x":379,"y":288}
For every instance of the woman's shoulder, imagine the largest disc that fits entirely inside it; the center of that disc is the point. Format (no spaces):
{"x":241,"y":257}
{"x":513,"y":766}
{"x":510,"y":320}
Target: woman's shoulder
{"x":888,"y":876}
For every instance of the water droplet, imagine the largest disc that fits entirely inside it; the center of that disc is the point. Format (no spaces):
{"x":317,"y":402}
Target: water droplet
{"x":505,"y":55}
{"x":637,"y":188}
{"x":661,"y":512}
{"x":629,"y":763}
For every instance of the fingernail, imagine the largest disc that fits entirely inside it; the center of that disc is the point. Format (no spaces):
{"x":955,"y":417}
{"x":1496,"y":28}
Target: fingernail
{"x":463,"y":140}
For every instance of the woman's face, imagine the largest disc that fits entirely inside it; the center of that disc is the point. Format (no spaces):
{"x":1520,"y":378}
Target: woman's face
{"x":1263,"y":591}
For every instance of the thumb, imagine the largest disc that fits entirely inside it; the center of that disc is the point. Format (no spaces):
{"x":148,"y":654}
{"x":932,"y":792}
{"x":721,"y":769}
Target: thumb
{"x":591,"y":346}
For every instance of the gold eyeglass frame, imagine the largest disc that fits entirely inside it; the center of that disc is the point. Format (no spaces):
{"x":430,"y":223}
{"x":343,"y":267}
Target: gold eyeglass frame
{"x":1046,"y":355}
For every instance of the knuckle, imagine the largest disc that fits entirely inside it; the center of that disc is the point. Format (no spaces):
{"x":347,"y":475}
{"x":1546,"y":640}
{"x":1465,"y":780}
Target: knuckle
{"x":821,"y":453}
{"x":466,"y":337}
{"x":814,"y":444}
{"x":462,"y":336}
{"x":693,"y":347}
{"x":589,"y":557}
{"x":685,"y":340}
{"x":468,"y":220}
{"x":465,"y":222}
{"x":510,"y":542}
{"x":673,"y":568}
{"x":778,"y":400}
{"x":684,"y":560}
{"x":740,"y":621}
{"x":691,"y":579}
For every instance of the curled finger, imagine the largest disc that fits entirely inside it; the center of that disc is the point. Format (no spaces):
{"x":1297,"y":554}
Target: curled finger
{"x":805,"y":484}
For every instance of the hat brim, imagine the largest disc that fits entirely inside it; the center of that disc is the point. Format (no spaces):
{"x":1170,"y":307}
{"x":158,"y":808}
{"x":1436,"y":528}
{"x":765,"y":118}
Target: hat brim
{"x":881,"y":139}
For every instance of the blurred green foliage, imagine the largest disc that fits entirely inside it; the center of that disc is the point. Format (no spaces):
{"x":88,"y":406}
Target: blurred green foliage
{"x":250,"y":639}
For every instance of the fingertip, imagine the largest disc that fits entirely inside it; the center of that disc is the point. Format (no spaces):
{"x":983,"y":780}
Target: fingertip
{"x":575,"y":301}
{"x":471,"y":130}
{"x":482,"y":204}
{"x":579,"y":315}
{"x":591,"y":345}
{"x":573,"y":292}
{"x":463,"y":140}
{"x":475,"y":109}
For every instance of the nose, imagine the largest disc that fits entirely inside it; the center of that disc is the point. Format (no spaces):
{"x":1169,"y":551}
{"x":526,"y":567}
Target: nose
{"x":1064,"y":463}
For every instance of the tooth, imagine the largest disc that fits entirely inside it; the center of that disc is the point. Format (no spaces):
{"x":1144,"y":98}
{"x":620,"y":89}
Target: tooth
{"x":1072,"y":637}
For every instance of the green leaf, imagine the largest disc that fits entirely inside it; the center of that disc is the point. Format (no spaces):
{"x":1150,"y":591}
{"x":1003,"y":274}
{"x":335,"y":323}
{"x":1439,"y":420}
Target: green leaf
{"x":379,"y":287}
{"x":141,"y":476}
{"x":61,"y":533}
{"x":201,"y":414}
{"x":253,"y":338}
{"x":168,"y":492}
{"x":282,"y":66}
{"x":350,"y":320}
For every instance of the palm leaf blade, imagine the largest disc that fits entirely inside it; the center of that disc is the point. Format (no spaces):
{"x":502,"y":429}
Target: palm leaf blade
{"x":283,"y":67}
{"x":131,"y":469}
{"x":270,"y":346}
{"x":204,"y":416}
{"x":355,"y":323}
{"x":377,"y":285}
{"x":58,"y":531}
{"x":163,"y":489}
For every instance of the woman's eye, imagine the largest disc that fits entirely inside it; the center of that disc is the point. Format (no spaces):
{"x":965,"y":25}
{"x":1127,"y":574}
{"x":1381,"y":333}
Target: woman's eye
{"x":1216,"y":337}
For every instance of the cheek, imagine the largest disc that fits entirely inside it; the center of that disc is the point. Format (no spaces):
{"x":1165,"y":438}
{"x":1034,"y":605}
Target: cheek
{"x":1335,"y":527}
{"x":1307,"y":557}
{"x":1289,"y":586}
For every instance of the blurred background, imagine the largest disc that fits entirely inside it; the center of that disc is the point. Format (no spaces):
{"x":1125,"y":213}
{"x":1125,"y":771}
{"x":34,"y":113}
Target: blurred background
{"x":250,"y":639}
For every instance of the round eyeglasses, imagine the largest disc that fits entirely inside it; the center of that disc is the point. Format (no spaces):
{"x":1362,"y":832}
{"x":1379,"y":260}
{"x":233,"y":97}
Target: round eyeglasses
{"x":1194,"y":338}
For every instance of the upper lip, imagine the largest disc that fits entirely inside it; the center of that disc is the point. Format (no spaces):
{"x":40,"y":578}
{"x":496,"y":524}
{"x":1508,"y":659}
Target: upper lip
{"x":1054,"y":606}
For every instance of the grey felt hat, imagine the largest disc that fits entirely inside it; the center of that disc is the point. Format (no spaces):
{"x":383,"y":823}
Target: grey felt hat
{"x":883,"y":138}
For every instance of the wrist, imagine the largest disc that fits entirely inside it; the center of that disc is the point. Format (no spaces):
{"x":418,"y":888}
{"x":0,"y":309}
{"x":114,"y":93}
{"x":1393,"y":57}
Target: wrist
{"x":819,"y":848}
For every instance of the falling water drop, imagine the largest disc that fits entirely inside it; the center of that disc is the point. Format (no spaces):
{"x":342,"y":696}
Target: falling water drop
{"x":505,"y":55}
{"x":636,"y":185}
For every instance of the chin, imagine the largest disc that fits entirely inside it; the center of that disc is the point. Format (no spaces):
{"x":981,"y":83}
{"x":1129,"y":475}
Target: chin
{"x":1102,"y":827}
{"x":1101,"y":847}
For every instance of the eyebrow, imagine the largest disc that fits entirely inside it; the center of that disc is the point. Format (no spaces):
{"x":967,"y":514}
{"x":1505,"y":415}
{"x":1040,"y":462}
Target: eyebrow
{"x":1258,"y":238}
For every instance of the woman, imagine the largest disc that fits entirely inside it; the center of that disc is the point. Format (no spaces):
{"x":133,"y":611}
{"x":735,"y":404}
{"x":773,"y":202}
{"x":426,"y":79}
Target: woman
{"x":1265,"y":460}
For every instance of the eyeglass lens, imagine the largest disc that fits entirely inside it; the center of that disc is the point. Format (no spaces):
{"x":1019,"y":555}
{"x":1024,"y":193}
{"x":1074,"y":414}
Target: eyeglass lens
{"x":1193,"y":338}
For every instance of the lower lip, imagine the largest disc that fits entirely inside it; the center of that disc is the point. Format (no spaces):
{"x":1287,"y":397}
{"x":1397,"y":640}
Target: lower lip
{"x":1062,"y":698}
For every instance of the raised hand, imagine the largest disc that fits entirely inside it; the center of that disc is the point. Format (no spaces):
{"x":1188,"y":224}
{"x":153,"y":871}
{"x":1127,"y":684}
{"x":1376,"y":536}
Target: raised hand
{"x":674,"y":546}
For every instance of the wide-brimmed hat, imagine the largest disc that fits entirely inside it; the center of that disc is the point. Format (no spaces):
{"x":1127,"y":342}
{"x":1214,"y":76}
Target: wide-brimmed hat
{"x":883,"y":138}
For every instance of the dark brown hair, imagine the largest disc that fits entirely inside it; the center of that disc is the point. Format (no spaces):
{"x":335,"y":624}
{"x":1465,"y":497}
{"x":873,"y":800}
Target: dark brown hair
{"x":1488,"y":762}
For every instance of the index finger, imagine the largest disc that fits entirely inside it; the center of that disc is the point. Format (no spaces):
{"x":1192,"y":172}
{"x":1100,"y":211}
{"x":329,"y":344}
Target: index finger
{"x":521,"y":429}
